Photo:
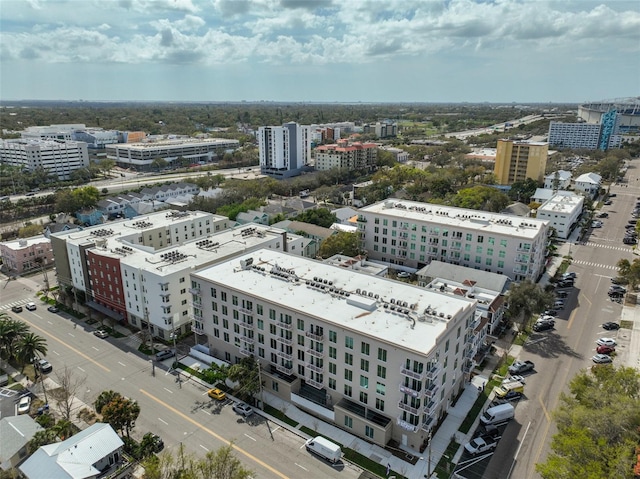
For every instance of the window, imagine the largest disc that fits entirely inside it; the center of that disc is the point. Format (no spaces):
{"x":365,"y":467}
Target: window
{"x":348,"y":359}
{"x":381,"y":389}
{"x":348,"y":422}
{"x":214,"y":293}
{"x":332,"y":383}
{"x":364,"y":348}
{"x":500,"y":264}
{"x":469,"y":237}
{"x":348,"y":390}
{"x":223,"y":295}
{"x":368,"y":431}
{"x":274,"y":385}
{"x":259,"y":309}
{"x":261,"y":324}
{"x":332,"y":368}
{"x":480,"y":238}
{"x":348,"y":374}
{"x":364,"y":382}
{"x":382,"y":372}
{"x":446,"y":346}
{"x":234,"y":300}
{"x":300,"y":324}
{"x":364,"y":397}
{"x":380,"y":404}
{"x":364,"y":365}
{"x":348,"y":342}
{"x":503,"y":243}
{"x":333,"y":337}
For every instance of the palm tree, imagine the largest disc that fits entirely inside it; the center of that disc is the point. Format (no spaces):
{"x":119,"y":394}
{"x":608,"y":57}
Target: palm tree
{"x":11,"y":330}
{"x":41,"y":438}
{"x":30,"y":346}
{"x":64,"y":429}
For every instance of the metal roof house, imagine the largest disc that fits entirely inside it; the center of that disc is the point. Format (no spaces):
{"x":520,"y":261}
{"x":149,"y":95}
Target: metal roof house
{"x":83,"y":456}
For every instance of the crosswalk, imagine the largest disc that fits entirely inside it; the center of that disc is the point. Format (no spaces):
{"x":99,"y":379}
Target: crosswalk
{"x":606,"y":246}
{"x":21,"y":302}
{"x":594,"y":265}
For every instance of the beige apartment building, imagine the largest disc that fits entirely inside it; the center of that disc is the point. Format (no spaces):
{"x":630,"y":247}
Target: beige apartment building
{"x":379,"y":358}
{"x":519,"y":160}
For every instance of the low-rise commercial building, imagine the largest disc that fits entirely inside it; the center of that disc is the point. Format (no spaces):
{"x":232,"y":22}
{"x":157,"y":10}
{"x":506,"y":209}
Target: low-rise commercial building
{"x":26,"y":254}
{"x":562,"y":211}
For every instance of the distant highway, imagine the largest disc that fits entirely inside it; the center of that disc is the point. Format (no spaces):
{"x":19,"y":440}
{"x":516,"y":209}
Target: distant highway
{"x":463,"y":135}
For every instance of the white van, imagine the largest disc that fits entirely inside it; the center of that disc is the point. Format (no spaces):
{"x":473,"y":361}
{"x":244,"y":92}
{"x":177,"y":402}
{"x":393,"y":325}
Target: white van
{"x":324,"y":448}
{"x":498,"y":414}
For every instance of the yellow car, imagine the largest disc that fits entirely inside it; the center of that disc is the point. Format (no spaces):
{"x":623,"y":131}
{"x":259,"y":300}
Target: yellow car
{"x":217,"y":394}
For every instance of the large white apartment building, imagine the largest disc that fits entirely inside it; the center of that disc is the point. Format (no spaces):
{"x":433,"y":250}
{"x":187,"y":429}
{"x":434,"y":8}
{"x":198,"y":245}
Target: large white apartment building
{"x":562,"y":211}
{"x":412,"y":234}
{"x":380,"y":358}
{"x":141,"y":155}
{"x":59,"y":157}
{"x":284,"y":150}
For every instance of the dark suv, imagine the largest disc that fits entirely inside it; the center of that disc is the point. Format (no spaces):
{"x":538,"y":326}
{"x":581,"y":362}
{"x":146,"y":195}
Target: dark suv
{"x":16,"y":309}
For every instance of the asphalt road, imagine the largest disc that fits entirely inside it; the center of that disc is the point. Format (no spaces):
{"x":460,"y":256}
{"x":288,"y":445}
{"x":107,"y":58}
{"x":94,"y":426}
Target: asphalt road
{"x":180,"y":415}
{"x":563,"y":352}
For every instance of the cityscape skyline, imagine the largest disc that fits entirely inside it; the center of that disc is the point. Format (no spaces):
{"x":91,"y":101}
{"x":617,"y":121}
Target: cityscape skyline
{"x":320,"y":51}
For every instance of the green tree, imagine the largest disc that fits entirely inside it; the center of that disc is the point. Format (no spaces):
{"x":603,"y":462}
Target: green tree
{"x":105,"y":398}
{"x":121,"y":413}
{"x":42,"y":438}
{"x":11,"y":330}
{"x":484,"y":198}
{"x":245,"y":373}
{"x":523,"y":190}
{"x":598,"y":425}
{"x":31,"y":229}
{"x":106,"y":165}
{"x":64,"y":429}
{"x":525,"y":299}
{"x":159,"y":163}
{"x":340,"y":243}
{"x":317,"y":216}
{"x":29,"y":346}
{"x":222,"y":464}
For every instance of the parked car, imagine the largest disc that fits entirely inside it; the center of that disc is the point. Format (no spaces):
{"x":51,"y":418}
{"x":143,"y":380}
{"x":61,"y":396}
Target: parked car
{"x":606,"y":342}
{"x":618,"y":281}
{"x":569,"y":275}
{"x":551,"y":312}
{"x":53,"y":309}
{"x":520,"y":367}
{"x":608,"y":202}
{"x":596,"y":224}
{"x":629,"y":240}
{"x":481,"y":444}
{"x":562,"y":294}
{"x":558,"y":304}
{"x":610,"y":325}
{"x":543,"y":326}
{"x":16,"y":309}
{"x":243,"y":409}
{"x":24,"y":405}
{"x":514,"y":378}
{"x":605,"y":350}
{"x":601,"y":359}
{"x":43,"y":366}
{"x":101,"y":333}
{"x":603,"y":215}
{"x":165,"y":354}
{"x":404,"y":274}
{"x":217,"y":394}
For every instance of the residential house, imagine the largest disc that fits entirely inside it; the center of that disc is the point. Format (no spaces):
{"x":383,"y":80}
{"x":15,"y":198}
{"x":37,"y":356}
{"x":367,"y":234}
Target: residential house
{"x":558,"y":180}
{"x":589,"y":184}
{"x":15,"y":434}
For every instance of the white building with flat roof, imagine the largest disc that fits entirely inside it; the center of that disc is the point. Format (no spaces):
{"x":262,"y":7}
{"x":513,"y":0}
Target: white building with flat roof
{"x":141,"y":155}
{"x":380,"y":358}
{"x":412,"y":234}
{"x":562,"y":211}
{"x":59,"y":157}
{"x":284,"y":150}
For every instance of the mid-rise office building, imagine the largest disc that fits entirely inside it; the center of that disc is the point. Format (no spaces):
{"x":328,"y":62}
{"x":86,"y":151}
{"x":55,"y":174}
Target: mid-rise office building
{"x":284,"y":150}
{"x":380,"y":358}
{"x":354,"y":156}
{"x":413,"y":234}
{"x":519,"y":160}
{"x":59,"y":157}
{"x":140,"y":156}
{"x":381,"y":129}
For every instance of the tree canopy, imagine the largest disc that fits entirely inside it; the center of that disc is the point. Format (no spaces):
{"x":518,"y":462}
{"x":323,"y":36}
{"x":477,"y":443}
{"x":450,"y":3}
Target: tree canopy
{"x":525,"y":299}
{"x":70,"y":201}
{"x":317,"y":216}
{"x":598,"y":426}
{"x":118,"y":411}
{"x":340,"y":243}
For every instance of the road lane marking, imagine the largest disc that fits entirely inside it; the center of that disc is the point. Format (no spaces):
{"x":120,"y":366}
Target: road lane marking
{"x":253,"y":439}
{"x":544,"y":409}
{"x":301,"y":467}
{"x":206,"y":412}
{"x":79,"y":353}
{"x":81,"y":369}
{"x":71,"y":335}
{"x":121,"y":364}
{"x":56,"y":353}
{"x":168,"y":390}
{"x":217,"y":436}
{"x":204,"y":448}
{"x":276,"y":429}
{"x":162,"y":421}
{"x":571,"y":318}
{"x":95,"y":348}
{"x":37,"y":315}
{"x":49,"y":322}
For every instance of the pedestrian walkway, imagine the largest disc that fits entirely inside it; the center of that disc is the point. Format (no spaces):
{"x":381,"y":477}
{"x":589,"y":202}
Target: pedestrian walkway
{"x":20,"y":302}
{"x":594,"y":265}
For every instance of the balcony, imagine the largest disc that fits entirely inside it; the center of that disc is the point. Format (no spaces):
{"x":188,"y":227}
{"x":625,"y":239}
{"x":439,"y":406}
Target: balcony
{"x":412,"y":374}
{"x":434,"y":233}
{"x":245,"y":310}
{"x":433,"y":372}
{"x":315,"y":368}
{"x":470,"y":354}
{"x":406,"y":407}
{"x":195,"y":291}
{"x":523,"y":250}
{"x":431,"y":391}
{"x":409,"y":391}
{"x":287,"y":326}
{"x":315,"y":337}
{"x":428,"y":424}
{"x":454,"y":247}
{"x":198,"y":329}
{"x":284,"y":369}
{"x":192,"y":317}
{"x":405,"y":425}
{"x":313,"y":383}
{"x":247,"y":320}
{"x":520,"y":271}
{"x":282,"y":354}
{"x":362,"y":219}
{"x":284,"y":340}
{"x":313,"y":352}
{"x":246,"y":352}
{"x":522,"y":260}
{"x":247,"y":339}
{"x":431,"y":407}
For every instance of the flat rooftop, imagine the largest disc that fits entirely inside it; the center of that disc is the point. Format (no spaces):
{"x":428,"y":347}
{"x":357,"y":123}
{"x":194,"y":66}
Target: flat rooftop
{"x":175,"y":143}
{"x":562,"y":203}
{"x":390,"y":311}
{"x":485,"y":221}
{"x":21,"y":243}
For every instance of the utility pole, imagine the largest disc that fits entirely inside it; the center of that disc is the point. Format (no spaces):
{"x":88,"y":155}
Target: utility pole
{"x":260,"y":384}
{"x":429,"y":458}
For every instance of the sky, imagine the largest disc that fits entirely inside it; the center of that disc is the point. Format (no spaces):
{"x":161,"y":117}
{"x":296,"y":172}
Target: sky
{"x":320,"y":50}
